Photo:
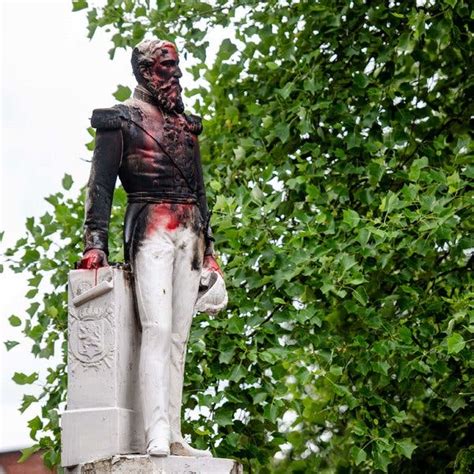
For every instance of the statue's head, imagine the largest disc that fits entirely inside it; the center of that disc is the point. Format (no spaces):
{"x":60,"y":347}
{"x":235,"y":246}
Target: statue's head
{"x":155,"y":65}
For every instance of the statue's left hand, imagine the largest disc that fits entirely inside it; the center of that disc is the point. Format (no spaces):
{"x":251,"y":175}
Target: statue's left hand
{"x":211,"y":264}
{"x":92,"y":259}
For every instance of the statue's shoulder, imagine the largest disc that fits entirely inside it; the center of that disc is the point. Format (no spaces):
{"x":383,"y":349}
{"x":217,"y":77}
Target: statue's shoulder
{"x":194,"y":123}
{"x":110,"y":118}
{"x":137,"y":109}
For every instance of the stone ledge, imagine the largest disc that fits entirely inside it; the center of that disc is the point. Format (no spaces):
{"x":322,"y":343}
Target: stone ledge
{"x":143,"y":464}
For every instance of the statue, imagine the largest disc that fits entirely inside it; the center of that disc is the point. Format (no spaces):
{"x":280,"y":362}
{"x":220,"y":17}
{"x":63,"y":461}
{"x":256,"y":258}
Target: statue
{"x":153,"y":147}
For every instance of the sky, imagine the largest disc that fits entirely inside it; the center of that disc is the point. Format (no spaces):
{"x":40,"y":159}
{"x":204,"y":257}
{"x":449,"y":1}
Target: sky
{"x":51,"y":78}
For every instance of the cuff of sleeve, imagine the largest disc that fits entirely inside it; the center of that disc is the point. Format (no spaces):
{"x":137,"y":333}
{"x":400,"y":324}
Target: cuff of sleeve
{"x":209,"y":248}
{"x":96,"y":240}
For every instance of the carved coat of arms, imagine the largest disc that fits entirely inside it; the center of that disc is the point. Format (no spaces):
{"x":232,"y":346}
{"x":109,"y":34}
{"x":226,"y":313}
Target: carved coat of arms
{"x":91,"y":334}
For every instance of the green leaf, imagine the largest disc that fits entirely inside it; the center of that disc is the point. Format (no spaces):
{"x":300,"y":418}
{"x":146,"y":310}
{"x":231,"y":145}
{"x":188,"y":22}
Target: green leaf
{"x":381,"y":460}
{"x":259,"y":397}
{"x":79,"y":5}
{"x":225,"y":357}
{"x":227,"y":49}
{"x":224,"y":417}
{"x":28,"y":452}
{"x":282,"y":131}
{"x":31,"y":293}
{"x":267,"y":122}
{"x":336,"y":370}
{"x":239,"y":153}
{"x":406,"y":43}
{"x":31,"y":256}
{"x":23,"y":379}
{"x":451,"y":3}
{"x":67,"y":182}
{"x":381,"y":367}
{"x":35,"y":424}
{"x":32,"y":309}
{"x":353,"y":141}
{"x":122,"y":93}
{"x":272,"y":65}
{"x":416,"y":167}
{"x":358,"y":455}
{"x":342,"y":390}
{"x":405,"y":447}
{"x":237,"y":373}
{"x":361,"y":80}
{"x":453,"y":181}
{"x":351,"y":218}
{"x":456,"y":343}
{"x":456,"y":402}
{"x":215,"y":185}
{"x":36,"y":333}
{"x":10,"y":344}
{"x":270,"y":412}
{"x":27,"y":401}
{"x":360,"y":296}
{"x":15,"y":321}
{"x":257,"y":194}
{"x":286,"y":91}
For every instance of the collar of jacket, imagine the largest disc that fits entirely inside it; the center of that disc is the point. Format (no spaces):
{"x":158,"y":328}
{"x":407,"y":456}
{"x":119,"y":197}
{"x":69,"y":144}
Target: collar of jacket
{"x":141,"y":93}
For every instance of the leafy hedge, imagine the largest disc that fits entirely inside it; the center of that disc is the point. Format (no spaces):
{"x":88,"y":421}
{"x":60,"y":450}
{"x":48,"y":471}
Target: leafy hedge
{"x":337,"y":150}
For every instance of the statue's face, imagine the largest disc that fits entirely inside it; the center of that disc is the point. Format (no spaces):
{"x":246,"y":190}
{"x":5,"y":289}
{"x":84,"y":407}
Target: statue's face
{"x":164,"y":77}
{"x":166,"y":67}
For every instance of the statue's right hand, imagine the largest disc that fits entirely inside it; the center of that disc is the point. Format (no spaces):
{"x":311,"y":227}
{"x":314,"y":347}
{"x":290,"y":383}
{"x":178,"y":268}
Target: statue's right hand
{"x":92,"y":259}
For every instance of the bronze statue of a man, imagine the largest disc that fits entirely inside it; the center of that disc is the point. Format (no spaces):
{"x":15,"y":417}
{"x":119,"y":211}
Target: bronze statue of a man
{"x":153,"y":147}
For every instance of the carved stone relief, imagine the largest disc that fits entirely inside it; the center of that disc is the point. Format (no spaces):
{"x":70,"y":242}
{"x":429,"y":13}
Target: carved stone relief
{"x":91,"y":331}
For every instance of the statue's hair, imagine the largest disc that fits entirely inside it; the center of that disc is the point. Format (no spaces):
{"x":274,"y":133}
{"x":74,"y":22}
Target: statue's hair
{"x":144,"y":56}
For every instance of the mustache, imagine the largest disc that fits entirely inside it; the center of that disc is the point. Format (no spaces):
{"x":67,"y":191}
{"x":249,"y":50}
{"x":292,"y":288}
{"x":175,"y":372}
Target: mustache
{"x":168,"y":86}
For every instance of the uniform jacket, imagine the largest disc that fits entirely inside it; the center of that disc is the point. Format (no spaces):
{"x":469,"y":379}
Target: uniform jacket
{"x":156,"y":160}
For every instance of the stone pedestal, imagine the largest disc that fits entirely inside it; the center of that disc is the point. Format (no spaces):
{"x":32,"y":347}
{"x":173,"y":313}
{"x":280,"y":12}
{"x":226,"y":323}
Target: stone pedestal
{"x":154,"y":465}
{"x":103,"y":416}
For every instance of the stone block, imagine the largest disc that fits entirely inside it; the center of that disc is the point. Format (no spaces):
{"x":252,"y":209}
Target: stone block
{"x":155,"y":465}
{"x":103,"y":415}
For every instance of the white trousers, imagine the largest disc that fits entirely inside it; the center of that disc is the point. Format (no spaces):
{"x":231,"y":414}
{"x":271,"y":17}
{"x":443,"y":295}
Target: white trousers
{"x":167,"y":269}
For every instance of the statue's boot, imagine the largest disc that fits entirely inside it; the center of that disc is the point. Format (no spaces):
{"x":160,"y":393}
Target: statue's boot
{"x":158,"y":449}
{"x":178,"y":446}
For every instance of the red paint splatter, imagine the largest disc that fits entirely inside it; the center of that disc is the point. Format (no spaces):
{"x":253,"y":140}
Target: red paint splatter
{"x":168,"y":216}
{"x":211,"y":264}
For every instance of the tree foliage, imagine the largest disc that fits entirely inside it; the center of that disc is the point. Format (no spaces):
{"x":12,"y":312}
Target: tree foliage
{"x":337,"y":152}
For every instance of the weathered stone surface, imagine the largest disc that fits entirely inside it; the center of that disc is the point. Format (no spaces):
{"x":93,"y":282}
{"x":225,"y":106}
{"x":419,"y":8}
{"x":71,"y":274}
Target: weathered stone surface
{"x":135,"y":464}
{"x":103,"y":415}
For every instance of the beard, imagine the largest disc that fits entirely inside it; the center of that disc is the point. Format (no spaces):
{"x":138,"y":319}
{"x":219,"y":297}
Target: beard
{"x":167,"y":94}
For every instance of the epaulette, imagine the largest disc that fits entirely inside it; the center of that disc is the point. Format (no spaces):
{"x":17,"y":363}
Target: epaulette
{"x":194,"y":124}
{"x":108,"y":119}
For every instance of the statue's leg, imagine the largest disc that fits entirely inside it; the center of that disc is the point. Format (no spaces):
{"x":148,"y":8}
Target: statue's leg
{"x":186,"y":276}
{"x":153,"y":270}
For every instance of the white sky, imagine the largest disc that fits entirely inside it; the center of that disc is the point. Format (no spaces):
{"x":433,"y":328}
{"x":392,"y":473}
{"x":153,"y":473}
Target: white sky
{"x":51,"y":78}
